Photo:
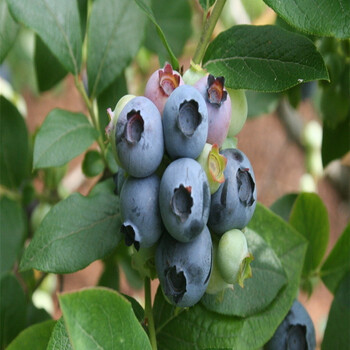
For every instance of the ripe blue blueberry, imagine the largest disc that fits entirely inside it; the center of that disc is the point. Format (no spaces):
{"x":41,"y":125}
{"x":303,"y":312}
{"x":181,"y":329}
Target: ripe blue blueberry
{"x":139,"y":137}
{"x":233,"y":204}
{"x":185,"y":123}
{"x":184,"y":268}
{"x":184,"y":199}
{"x":296,"y":332}
{"x":142,"y":225}
{"x":219,"y":107}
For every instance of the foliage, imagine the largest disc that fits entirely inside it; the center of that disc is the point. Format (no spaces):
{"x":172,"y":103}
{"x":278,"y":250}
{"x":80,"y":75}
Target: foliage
{"x":100,"y":44}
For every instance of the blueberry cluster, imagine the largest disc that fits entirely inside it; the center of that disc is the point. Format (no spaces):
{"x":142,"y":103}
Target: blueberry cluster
{"x":183,"y":195}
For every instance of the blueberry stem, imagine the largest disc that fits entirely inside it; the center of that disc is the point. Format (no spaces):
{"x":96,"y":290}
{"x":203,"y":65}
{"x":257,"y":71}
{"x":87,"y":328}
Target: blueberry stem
{"x":207,"y":31}
{"x":94,"y":117}
{"x":149,"y":314}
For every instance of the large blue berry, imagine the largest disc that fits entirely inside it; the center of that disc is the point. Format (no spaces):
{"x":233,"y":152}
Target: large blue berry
{"x":296,"y":332}
{"x":219,"y":107}
{"x":184,"y":268}
{"x":233,"y":204}
{"x":142,"y":225}
{"x":161,"y":84}
{"x":185,"y":123}
{"x":139,"y":137}
{"x":184,"y":199}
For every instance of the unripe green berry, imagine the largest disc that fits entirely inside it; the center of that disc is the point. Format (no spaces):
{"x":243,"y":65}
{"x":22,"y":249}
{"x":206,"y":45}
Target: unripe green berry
{"x":239,"y":111}
{"x":233,"y":257}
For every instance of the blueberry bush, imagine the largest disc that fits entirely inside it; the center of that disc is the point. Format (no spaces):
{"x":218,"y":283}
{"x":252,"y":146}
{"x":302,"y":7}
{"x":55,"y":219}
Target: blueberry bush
{"x":174,"y":198}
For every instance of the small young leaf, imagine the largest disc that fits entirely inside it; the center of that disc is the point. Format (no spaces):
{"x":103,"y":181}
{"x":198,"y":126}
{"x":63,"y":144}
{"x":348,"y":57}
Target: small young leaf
{"x":35,"y":337}
{"x":326,"y":18}
{"x":337,"y":263}
{"x":58,"y":25}
{"x":14,"y":146}
{"x":12,"y":233}
{"x":62,"y":136}
{"x":310,"y":218}
{"x":93,"y":164}
{"x":8,"y":30}
{"x":59,"y":339}
{"x":48,"y":69}
{"x":199,"y":328}
{"x":335,"y":141}
{"x":263,"y":58}
{"x":260,"y":103}
{"x":115,"y":33}
{"x":76,"y":232}
{"x":100,"y":318}
{"x":12,"y":309}
{"x":267,"y":275}
{"x":174,"y":17}
{"x":206,"y":4}
{"x":337,"y":335}
{"x":283,"y":205}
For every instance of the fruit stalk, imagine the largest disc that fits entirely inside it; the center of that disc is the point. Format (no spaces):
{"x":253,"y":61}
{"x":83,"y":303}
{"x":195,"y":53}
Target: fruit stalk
{"x":94,"y":118}
{"x":149,"y":314}
{"x":207,"y":31}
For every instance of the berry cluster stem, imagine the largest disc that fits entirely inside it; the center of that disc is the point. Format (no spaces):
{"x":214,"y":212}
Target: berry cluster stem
{"x":94,"y":117}
{"x":207,"y":31}
{"x":149,"y":314}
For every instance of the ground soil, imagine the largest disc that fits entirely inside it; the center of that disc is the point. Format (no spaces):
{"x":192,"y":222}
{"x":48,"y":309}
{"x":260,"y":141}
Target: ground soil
{"x":278,"y":164}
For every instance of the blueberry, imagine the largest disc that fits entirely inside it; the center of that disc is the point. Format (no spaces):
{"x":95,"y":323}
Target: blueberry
{"x":296,"y":332}
{"x":184,"y":268}
{"x":184,"y":199}
{"x":233,"y":258}
{"x":139,"y":137}
{"x":142,"y":225}
{"x":233,"y":204}
{"x":219,"y":107}
{"x":161,"y":84}
{"x":185,"y":123}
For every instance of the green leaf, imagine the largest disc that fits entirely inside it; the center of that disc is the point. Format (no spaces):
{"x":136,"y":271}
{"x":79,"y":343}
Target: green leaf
{"x":14,"y":146}
{"x":76,"y":232}
{"x":335,"y":141}
{"x":83,"y":13}
{"x":174,"y":17}
{"x":35,"y":337}
{"x":48,"y":69}
{"x":136,"y":307}
{"x":337,"y":335}
{"x":93,"y":164}
{"x":62,"y":136}
{"x":261,"y":102}
{"x":283,"y":205}
{"x":8,"y":30}
{"x":199,"y":328}
{"x":99,"y":318}
{"x":325,"y":18}
{"x":263,"y":58}
{"x":12,"y":309}
{"x":115,"y":33}
{"x":106,"y":186}
{"x":12,"y":233}
{"x":310,"y":218}
{"x":268,"y":275}
{"x":36,"y":315}
{"x":110,"y":275}
{"x":58,"y":25}
{"x":109,"y":99}
{"x":206,"y":4}
{"x":337,"y":263}
{"x":59,"y":339}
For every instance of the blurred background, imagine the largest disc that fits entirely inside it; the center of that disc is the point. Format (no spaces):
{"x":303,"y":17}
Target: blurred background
{"x":275,"y":138}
